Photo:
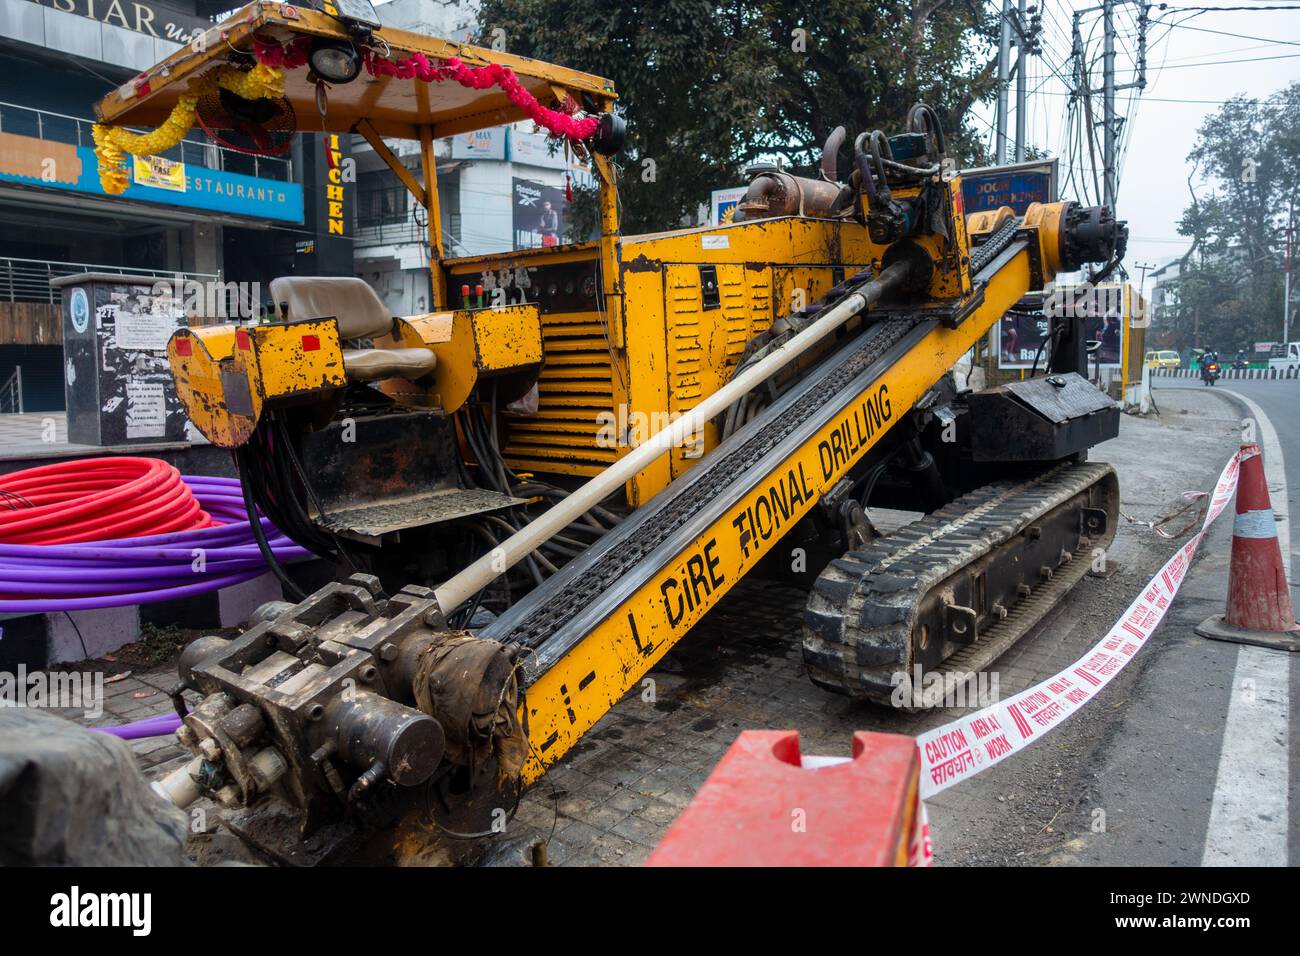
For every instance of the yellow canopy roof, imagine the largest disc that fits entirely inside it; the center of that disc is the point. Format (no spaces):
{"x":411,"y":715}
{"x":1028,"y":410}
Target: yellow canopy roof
{"x":394,"y":107}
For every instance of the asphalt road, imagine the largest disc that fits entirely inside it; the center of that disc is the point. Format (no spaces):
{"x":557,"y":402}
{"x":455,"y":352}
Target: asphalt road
{"x":1202,"y":763}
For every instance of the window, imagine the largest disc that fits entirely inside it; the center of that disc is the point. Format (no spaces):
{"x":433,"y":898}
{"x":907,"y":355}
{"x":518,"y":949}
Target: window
{"x":379,"y":205}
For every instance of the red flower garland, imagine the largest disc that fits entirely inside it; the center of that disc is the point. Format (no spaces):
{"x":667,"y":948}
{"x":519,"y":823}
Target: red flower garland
{"x":480,"y":78}
{"x":291,"y":57}
{"x":417,"y":66}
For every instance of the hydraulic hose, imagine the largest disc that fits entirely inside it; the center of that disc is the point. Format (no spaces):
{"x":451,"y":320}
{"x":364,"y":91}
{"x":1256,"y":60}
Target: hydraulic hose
{"x":264,"y":547}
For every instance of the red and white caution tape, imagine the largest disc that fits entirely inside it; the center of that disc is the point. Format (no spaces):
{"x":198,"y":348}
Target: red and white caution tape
{"x":922,"y":850}
{"x":963,"y":748}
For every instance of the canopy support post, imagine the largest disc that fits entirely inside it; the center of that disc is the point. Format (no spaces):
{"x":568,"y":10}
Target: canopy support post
{"x":433,"y":210}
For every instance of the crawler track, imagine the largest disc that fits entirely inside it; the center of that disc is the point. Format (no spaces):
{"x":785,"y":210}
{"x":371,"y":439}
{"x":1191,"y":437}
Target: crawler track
{"x":954,"y":590}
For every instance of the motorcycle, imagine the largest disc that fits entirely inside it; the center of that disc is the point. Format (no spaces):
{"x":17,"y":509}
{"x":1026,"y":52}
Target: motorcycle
{"x":1210,"y":373}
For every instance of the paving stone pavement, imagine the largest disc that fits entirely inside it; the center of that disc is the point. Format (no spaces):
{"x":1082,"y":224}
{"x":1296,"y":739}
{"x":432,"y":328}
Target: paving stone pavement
{"x":33,"y":428}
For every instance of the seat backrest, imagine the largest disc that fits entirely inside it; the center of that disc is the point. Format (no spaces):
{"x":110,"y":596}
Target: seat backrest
{"x":360,"y":312}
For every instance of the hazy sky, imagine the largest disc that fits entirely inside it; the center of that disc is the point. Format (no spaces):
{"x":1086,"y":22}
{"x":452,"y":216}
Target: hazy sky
{"x":1153,"y":182}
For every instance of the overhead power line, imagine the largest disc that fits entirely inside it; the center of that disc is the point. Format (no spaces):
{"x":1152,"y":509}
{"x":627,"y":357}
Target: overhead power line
{"x":1239,"y":36}
{"x":1174,"y":99}
{"x":1165,"y":6}
{"x":1252,"y":59}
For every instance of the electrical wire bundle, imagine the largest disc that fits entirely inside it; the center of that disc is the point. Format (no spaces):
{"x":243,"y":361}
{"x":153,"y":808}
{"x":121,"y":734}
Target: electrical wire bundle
{"x":274,"y":478}
{"x":478,"y":425}
{"x":276,"y":483}
{"x":43,"y":578}
{"x":96,"y":499}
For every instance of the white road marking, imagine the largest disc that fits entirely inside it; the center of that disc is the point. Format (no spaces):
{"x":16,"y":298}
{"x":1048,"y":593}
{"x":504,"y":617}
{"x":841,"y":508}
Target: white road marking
{"x":1248,"y":819}
{"x":1249,"y":815}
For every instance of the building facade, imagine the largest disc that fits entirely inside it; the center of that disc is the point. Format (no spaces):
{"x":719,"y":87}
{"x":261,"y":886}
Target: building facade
{"x":499,"y":189}
{"x":203,"y":211}
{"x":200,"y":210}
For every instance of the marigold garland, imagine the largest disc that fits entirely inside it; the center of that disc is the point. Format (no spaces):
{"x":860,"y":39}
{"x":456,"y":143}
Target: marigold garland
{"x":266,"y":80}
{"x":112,"y":143}
{"x":289,"y":57}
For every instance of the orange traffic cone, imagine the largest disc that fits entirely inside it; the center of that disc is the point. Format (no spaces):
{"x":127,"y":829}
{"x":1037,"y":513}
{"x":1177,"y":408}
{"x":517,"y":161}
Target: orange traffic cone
{"x":1259,"y":607}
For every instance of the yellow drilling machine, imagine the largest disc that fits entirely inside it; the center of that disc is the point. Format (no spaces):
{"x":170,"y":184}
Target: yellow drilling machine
{"x":535,"y":490}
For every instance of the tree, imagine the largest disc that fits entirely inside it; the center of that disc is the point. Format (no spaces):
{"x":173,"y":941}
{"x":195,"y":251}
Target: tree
{"x":709,"y":87}
{"x":1230,"y":279}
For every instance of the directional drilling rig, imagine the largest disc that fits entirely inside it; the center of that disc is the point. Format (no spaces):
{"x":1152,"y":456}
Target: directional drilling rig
{"x":535,"y":490}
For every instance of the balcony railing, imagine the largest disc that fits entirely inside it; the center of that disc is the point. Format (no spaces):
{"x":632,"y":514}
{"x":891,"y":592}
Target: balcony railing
{"x":11,"y":393}
{"x":384,"y":206}
{"x":60,"y":128}
{"x":28,"y":280}
{"x":373,"y":233}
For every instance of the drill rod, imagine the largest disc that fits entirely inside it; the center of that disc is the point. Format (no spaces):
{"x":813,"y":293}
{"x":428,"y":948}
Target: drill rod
{"x":463,"y":586}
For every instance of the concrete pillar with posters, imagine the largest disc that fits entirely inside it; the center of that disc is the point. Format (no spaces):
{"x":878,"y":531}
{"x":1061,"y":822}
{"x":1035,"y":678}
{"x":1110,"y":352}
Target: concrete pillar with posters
{"x":117,"y":382}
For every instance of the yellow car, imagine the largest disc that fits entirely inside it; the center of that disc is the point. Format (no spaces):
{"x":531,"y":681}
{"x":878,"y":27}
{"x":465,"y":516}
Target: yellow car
{"x":1166,"y":358}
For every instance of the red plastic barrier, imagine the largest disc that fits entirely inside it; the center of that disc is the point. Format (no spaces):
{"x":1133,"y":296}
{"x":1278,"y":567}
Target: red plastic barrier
{"x":762,"y":807}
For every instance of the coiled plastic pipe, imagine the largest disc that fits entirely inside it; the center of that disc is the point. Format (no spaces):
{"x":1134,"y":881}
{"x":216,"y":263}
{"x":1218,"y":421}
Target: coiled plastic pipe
{"x":94,"y":499}
{"x":43,"y":578}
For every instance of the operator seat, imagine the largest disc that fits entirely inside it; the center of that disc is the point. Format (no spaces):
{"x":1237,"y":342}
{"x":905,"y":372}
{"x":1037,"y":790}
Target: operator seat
{"x":360,"y":314}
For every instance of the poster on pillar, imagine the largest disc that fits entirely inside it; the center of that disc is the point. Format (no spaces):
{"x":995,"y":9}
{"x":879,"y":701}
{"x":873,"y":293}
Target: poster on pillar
{"x":118,"y":386}
{"x":1103,"y":309}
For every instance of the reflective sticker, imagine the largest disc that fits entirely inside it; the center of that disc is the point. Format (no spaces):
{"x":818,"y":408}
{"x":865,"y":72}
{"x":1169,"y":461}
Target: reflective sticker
{"x":1255,"y":524}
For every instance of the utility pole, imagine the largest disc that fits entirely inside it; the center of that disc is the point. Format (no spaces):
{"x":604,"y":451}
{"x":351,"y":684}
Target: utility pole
{"x":1026,"y":21}
{"x":1004,"y":71}
{"x":1022,"y":50}
{"x":1196,"y":316}
{"x":1144,"y":266}
{"x":1286,"y":285}
{"x":1142,"y":287}
{"x":1108,"y":101}
{"x":1110,"y":122}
